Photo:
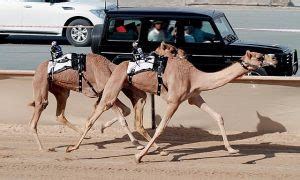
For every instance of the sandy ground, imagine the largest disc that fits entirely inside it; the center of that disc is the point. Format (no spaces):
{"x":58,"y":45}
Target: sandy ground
{"x":195,"y":152}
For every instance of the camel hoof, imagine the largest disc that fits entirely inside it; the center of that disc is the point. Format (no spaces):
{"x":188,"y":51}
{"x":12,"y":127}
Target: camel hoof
{"x":233,"y":151}
{"x":70,"y":148}
{"x":88,"y":137}
{"x":51,"y":150}
{"x":140,"y":147}
{"x":137,"y":159}
{"x":164,"y":153}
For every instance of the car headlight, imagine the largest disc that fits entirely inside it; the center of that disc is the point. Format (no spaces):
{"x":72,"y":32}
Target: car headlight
{"x":98,"y":12}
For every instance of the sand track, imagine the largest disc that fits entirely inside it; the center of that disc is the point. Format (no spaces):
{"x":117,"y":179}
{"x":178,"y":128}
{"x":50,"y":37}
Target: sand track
{"x":197,"y":155}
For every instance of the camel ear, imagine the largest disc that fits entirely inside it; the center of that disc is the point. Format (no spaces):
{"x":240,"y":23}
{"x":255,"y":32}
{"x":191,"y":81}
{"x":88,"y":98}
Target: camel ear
{"x":248,"y":54}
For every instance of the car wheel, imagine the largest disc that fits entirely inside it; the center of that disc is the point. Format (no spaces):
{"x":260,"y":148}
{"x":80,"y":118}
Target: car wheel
{"x":96,"y":38}
{"x":258,"y":72}
{"x":79,"y":35}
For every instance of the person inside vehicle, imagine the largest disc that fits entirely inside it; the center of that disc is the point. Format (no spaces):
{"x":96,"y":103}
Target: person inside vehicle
{"x":188,"y":37}
{"x":157,"y":33}
{"x":119,"y":26}
{"x":199,"y":34}
{"x":172,"y":34}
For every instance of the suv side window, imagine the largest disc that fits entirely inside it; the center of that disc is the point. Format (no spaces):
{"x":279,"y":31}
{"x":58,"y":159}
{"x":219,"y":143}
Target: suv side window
{"x":162,"y":30}
{"x":198,"y":31}
{"x":124,"y":29}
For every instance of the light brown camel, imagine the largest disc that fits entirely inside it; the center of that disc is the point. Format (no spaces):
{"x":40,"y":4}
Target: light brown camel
{"x":183,"y":82}
{"x":98,"y":71}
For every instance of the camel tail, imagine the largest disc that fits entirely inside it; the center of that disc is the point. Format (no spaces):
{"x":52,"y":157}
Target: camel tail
{"x":32,"y":104}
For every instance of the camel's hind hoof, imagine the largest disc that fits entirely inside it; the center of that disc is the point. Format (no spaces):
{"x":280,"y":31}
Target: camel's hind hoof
{"x":70,"y":148}
{"x":51,"y":150}
{"x":140,"y":147}
{"x":88,"y":137}
{"x":233,"y":151}
{"x":137,"y":159}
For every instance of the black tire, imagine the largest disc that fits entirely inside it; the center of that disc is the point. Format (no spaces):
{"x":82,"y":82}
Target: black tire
{"x":96,"y":38}
{"x":75,"y":38}
{"x":258,"y":72}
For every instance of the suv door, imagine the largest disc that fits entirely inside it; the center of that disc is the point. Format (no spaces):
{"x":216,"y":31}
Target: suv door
{"x":11,"y":15}
{"x":203,"y":44}
{"x":44,"y":14}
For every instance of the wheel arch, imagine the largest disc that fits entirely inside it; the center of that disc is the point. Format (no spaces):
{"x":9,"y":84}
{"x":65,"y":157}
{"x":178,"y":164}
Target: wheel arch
{"x":72,"y":19}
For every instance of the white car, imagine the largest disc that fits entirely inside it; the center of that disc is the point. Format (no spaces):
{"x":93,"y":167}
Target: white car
{"x":50,"y":17}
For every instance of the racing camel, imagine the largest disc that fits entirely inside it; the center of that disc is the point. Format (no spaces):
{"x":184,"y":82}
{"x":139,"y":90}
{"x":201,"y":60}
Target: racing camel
{"x":98,"y":71}
{"x":182,"y":81}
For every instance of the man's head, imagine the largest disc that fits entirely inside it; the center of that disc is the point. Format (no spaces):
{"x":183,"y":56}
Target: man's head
{"x":157,"y":24}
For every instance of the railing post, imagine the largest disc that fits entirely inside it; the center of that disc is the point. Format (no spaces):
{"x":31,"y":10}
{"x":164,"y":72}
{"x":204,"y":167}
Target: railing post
{"x":153,"y":111}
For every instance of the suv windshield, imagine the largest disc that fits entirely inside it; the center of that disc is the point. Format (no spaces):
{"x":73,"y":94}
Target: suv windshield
{"x":225,"y":29}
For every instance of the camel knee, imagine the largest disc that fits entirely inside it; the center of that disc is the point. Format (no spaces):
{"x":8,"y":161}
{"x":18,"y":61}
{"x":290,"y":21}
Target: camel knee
{"x":219,"y":119}
{"x":191,"y":101}
{"x":123,"y":122}
{"x":33,"y":127}
{"x":41,"y":105}
{"x":126,"y":111}
{"x":61,"y":119}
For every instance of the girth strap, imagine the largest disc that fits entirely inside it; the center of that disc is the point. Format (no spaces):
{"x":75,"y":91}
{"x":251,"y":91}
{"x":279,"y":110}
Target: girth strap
{"x":159,"y":77}
{"x":91,"y":86}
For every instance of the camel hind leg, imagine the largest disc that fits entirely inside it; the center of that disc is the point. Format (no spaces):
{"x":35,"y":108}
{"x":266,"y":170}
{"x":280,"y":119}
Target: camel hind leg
{"x":138,"y":99}
{"x":40,"y":103}
{"x":62,"y":95}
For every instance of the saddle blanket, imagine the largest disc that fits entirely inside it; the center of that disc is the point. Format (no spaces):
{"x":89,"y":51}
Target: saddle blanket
{"x":140,"y":65}
{"x":60,"y":64}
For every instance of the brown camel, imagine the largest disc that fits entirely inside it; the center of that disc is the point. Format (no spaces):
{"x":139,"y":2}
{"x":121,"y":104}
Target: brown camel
{"x":183,"y":82}
{"x":98,"y":71}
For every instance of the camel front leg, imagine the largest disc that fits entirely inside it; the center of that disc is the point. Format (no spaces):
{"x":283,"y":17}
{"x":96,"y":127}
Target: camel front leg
{"x":199,"y":102}
{"x":171,"y":108}
{"x":97,"y":113}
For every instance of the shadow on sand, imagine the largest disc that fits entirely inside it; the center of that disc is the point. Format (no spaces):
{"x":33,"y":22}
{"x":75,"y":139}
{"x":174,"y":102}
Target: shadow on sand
{"x":177,"y":136}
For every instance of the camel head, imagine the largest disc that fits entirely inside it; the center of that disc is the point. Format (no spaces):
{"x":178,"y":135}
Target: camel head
{"x":168,"y":50}
{"x":254,"y":60}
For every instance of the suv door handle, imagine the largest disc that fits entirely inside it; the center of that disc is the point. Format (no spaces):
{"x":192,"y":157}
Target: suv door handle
{"x":27,"y":6}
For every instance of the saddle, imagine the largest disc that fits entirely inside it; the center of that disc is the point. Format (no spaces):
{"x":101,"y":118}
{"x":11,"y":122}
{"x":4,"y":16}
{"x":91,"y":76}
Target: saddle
{"x":152,"y":62}
{"x":70,"y":61}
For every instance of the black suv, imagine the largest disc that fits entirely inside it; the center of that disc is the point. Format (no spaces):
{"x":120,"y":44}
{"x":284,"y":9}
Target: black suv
{"x":205,"y":35}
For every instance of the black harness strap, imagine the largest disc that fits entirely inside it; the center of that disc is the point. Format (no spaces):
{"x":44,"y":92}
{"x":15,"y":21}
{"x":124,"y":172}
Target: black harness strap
{"x":160,"y":70}
{"x":91,"y":86}
{"x":80,"y":67}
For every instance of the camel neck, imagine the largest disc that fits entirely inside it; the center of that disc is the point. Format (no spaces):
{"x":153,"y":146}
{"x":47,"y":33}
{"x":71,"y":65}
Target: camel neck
{"x":208,"y":81}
